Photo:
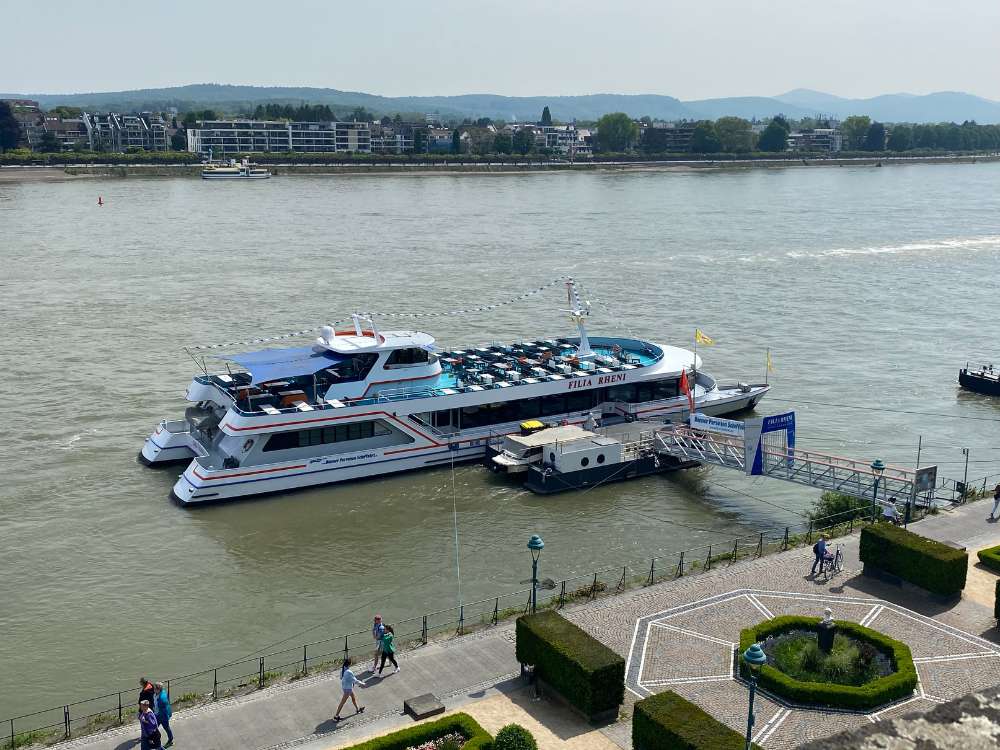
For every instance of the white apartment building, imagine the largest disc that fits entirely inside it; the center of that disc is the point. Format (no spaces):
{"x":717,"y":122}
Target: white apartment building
{"x":223,"y":138}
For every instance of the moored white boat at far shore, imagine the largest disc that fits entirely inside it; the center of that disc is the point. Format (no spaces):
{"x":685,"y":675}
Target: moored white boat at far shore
{"x":232,"y":170}
{"x":362,"y":402}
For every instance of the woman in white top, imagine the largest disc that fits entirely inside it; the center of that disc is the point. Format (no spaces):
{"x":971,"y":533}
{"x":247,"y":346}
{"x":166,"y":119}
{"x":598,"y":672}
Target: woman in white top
{"x":347,"y":682}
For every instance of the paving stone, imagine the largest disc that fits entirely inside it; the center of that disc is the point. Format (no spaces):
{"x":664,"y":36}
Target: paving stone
{"x":804,"y":608}
{"x":723,"y":620}
{"x":953,"y":679}
{"x":671,"y":655}
{"x":923,"y":638}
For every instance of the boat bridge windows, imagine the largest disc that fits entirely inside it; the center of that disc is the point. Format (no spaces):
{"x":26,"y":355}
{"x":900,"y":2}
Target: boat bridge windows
{"x":635,"y":393}
{"x":408,"y":357}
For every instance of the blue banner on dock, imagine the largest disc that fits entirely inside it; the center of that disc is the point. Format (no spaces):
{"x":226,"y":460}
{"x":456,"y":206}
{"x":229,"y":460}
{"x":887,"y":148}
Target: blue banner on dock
{"x":755,"y":440}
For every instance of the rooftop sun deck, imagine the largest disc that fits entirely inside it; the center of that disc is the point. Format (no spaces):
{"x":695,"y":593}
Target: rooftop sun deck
{"x":496,"y":366}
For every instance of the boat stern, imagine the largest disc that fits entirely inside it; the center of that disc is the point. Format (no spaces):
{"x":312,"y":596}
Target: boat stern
{"x":170,"y":443}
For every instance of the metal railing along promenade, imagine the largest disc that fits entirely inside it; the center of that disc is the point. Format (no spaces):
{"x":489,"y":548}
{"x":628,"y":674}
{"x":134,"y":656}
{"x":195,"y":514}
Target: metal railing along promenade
{"x":118,"y":705}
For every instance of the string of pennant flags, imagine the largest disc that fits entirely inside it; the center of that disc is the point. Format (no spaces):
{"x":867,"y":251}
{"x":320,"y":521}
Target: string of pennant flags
{"x":408,"y":315}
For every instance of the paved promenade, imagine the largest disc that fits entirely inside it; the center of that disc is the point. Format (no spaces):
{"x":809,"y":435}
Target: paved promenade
{"x":676,"y":635}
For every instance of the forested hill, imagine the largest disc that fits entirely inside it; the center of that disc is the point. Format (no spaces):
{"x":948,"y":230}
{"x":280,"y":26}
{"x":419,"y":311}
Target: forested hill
{"x":938,"y":107}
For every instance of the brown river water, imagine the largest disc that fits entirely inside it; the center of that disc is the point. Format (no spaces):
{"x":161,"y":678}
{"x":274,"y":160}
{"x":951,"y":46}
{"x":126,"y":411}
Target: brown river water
{"x":870,"y":286}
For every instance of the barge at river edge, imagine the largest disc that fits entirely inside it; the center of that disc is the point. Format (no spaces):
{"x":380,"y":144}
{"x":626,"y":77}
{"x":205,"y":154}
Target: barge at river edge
{"x":363,"y":402}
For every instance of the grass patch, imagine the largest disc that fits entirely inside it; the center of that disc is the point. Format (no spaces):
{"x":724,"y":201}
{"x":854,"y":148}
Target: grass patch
{"x":849,"y":662}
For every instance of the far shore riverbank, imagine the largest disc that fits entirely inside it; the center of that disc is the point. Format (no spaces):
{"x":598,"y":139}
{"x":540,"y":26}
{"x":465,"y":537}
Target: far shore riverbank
{"x":80,"y":171}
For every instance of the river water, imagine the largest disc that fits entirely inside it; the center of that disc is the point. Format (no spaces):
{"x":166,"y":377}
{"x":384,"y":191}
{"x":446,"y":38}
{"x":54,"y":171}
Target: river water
{"x":870,"y":286}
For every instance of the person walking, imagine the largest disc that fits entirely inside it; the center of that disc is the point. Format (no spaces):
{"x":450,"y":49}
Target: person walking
{"x":996,"y":502}
{"x":149,"y":732}
{"x":378,"y":630}
{"x":388,"y":649}
{"x":819,"y":550}
{"x":347,"y":682}
{"x":146,"y":691}
{"x":163,"y":711}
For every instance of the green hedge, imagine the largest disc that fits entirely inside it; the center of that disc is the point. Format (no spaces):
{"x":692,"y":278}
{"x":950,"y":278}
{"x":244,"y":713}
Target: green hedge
{"x":666,"y":721}
{"x":588,"y":674}
{"x":479,"y":738}
{"x":990,"y":557}
{"x":900,"y":684}
{"x":923,"y":562}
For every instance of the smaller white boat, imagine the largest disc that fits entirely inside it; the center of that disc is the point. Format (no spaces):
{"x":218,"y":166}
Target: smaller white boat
{"x":233,"y":171}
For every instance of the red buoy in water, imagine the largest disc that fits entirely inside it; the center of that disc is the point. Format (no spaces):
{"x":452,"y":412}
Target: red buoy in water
{"x":100,"y":200}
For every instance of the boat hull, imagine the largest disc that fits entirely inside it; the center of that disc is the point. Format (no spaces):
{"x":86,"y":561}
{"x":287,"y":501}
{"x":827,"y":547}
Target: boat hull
{"x":549,"y":483}
{"x":979,"y":383}
{"x":201,"y":485}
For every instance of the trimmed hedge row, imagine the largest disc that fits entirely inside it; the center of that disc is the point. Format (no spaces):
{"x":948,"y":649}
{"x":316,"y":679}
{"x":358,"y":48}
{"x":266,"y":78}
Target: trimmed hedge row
{"x":923,"y":562}
{"x":588,"y":674}
{"x":891,"y":687}
{"x":478,"y":738}
{"x":666,"y":721}
{"x":990,"y":557}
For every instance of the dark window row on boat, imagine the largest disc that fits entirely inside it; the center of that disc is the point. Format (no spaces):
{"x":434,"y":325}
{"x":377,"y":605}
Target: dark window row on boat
{"x":280,"y":441}
{"x":519,"y":410}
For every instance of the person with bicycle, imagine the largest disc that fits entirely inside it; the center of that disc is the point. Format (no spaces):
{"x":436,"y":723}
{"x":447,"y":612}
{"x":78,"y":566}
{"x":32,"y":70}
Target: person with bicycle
{"x":819,"y":550}
{"x":889,"y":512}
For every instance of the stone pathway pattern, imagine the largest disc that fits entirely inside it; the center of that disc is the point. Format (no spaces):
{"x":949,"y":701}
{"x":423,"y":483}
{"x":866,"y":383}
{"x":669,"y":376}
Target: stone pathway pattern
{"x":677,"y":635}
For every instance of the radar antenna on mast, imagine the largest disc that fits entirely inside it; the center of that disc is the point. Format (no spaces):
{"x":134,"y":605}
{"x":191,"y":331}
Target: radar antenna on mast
{"x":578,"y":313}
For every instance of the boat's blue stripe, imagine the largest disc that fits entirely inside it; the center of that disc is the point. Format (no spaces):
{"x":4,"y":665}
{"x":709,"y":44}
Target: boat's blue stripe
{"x":317,"y":471}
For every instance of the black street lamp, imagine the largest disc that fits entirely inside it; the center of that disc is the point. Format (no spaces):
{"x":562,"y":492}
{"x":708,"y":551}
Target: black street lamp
{"x":755,"y":658}
{"x":535,"y":544}
{"x":877,"y":469}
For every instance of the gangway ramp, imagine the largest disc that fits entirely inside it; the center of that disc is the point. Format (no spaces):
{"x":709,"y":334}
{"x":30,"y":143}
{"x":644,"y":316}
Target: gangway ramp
{"x":774,"y":455}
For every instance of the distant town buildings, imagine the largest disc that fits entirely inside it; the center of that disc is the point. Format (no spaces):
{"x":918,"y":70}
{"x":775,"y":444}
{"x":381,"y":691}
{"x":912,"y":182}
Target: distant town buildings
{"x":224,"y":138}
{"x":90,"y":132}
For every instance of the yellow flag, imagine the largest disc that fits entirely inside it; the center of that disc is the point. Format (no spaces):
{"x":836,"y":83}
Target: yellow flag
{"x":770,"y":364}
{"x":701,"y":338}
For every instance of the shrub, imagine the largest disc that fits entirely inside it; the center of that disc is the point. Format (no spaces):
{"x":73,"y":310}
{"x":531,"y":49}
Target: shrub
{"x":514,"y":737}
{"x":990,"y":557}
{"x":478,"y":738}
{"x":588,"y":674}
{"x":923,"y":562}
{"x":666,"y":721}
{"x":899,"y":684}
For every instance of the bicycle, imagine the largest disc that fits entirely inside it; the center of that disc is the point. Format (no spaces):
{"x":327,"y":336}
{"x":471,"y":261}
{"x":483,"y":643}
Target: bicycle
{"x":834,"y":563}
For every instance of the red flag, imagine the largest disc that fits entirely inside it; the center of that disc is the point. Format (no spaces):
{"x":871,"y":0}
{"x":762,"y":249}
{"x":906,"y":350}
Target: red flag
{"x":686,"y":389}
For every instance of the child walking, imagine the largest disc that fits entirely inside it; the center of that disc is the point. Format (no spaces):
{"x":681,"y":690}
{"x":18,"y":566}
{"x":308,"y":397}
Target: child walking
{"x":347,"y":682}
{"x":388,"y":648}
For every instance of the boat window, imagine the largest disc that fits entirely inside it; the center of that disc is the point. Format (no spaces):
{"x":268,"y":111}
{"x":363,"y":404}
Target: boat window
{"x":666,"y":388}
{"x":600,"y":458}
{"x":584,"y":461}
{"x":407,"y":358}
{"x":280,"y":441}
{"x":552,"y":405}
{"x":624,"y":393}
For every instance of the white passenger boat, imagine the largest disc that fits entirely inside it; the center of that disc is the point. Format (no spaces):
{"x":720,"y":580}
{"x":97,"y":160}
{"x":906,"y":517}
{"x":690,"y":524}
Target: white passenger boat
{"x":233,"y":171}
{"x":365,"y":402}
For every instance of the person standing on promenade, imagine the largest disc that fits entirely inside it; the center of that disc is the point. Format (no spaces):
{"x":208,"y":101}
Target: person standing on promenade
{"x":164,"y":711}
{"x":996,"y":502}
{"x":378,"y":630}
{"x":819,"y":550}
{"x":149,"y":738}
{"x":146,"y":691}
{"x":347,"y":682}
{"x":388,"y":649}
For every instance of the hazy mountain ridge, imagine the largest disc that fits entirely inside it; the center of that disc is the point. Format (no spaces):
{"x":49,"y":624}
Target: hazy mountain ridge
{"x":943,"y":106}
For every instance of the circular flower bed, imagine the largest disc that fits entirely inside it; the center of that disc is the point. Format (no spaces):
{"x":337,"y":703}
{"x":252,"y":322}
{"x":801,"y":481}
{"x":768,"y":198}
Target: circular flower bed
{"x":865,"y":669}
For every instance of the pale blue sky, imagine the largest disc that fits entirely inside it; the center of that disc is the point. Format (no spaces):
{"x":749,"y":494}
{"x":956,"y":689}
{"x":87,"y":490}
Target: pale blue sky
{"x":686,"y":48}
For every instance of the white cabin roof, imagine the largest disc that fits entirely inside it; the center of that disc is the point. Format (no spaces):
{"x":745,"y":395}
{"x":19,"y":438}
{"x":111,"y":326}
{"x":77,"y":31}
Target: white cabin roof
{"x":551,"y":435}
{"x":385,"y":340}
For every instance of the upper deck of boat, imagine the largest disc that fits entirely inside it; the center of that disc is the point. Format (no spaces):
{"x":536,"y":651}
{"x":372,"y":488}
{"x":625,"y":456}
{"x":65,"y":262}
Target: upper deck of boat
{"x":496,"y":366}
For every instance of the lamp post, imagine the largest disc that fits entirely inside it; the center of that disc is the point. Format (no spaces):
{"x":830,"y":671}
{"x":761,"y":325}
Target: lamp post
{"x":755,"y":658}
{"x":877,"y":469}
{"x":535,"y":544}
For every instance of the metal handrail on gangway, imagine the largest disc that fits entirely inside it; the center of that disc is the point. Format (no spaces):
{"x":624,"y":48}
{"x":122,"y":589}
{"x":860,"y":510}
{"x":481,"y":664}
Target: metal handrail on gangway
{"x":824,"y":471}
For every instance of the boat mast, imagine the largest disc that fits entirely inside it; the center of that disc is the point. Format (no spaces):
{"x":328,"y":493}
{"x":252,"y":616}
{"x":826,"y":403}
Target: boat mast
{"x":578,"y":312}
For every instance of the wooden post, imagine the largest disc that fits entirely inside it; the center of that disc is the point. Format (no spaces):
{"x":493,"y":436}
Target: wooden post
{"x":423,"y":631}
{"x":305,"y":658}
{"x":708,"y":560}
{"x":260,"y":678}
{"x":680,"y":566}
{"x":120,"y":708}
